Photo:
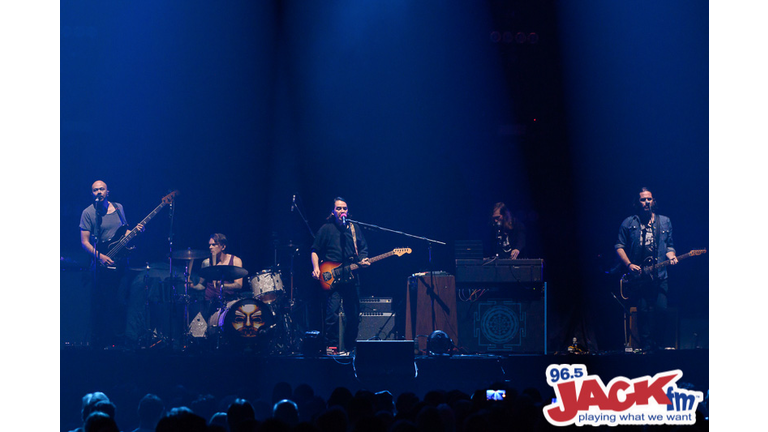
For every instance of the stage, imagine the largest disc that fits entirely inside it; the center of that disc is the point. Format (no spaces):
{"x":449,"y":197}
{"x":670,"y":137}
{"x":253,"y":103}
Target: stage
{"x":181,"y":377}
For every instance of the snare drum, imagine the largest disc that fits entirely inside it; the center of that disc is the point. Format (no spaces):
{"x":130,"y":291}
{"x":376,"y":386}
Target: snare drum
{"x":267,"y":285}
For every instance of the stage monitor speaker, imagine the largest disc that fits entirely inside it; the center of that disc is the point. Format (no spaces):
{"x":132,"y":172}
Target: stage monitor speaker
{"x":503,"y":326}
{"x":385,"y":358}
{"x":376,"y":326}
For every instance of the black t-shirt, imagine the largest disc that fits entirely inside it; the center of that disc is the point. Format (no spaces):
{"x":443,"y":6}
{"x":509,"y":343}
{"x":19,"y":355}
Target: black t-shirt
{"x":335,"y":243}
{"x":502,"y":242}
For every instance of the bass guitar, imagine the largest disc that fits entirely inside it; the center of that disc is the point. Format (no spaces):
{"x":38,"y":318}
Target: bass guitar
{"x":118,"y":249}
{"x":331,"y":272}
{"x":649,"y":268}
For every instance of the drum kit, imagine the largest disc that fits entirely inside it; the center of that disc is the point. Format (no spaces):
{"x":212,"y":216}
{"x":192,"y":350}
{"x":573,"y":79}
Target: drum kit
{"x":258,"y":319}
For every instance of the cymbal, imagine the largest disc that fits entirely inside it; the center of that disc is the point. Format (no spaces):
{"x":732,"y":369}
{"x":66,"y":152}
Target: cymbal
{"x":222,"y":272}
{"x":190,"y":254}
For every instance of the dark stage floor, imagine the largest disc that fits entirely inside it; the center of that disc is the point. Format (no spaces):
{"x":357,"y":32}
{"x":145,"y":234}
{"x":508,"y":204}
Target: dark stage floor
{"x":181,"y":376}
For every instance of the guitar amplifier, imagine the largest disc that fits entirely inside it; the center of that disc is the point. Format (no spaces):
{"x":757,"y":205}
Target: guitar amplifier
{"x":376,"y":326}
{"x":376,"y":304}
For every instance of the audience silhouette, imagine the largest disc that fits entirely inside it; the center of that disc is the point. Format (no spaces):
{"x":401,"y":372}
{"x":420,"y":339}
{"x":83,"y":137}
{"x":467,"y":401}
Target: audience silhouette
{"x":301,"y":410}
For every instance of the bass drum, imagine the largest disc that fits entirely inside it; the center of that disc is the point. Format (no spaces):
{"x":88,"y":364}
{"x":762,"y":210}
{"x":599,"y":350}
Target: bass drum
{"x":244,"y":324}
{"x":267,"y":285}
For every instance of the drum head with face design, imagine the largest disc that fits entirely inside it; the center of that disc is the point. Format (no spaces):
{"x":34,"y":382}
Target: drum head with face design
{"x":247,"y":322}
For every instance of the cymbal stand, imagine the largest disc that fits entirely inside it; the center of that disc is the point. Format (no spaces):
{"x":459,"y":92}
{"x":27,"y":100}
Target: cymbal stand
{"x":171,"y":208}
{"x":186,"y":297}
{"x":147,"y":331}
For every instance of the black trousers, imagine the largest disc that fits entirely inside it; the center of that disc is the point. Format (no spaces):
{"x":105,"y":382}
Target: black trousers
{"x":344,"y":297}
{"x":651,"y":310}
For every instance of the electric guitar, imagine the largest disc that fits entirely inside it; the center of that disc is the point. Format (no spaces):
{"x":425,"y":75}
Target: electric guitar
{"x":331,"y":272}
{"x":118,"y":249}
{"x":649,"y":268}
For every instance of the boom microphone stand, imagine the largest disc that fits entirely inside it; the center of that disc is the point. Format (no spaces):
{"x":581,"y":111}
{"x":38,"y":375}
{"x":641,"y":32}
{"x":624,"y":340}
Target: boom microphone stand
{"x":429,"y":241}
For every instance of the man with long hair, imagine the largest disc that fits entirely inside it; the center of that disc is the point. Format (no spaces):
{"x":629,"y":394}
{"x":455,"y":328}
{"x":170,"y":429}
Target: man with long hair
{"x":645,"y":239}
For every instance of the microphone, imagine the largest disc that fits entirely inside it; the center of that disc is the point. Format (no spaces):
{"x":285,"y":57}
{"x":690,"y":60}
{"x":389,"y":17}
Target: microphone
{"x":344,"y":220}
{"x":293,"y":202}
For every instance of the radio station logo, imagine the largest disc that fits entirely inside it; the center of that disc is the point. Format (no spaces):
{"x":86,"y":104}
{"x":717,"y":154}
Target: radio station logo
{"x":584,"y":399}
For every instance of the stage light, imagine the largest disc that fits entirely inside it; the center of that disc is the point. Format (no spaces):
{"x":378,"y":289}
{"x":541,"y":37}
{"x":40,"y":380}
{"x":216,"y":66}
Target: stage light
{"x":439,"y":343}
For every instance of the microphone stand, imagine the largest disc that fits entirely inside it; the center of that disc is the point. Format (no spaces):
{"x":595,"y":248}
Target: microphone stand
{"x":96,"y":261}
{"x":429,"y":241}
{"x":171,"y":329}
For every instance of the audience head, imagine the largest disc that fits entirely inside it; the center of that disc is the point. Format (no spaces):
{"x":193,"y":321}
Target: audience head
{"x":181,"y":419}
{"x":106,"y":407}
{"x":150,"y":410}
{"x":333,"y":419}
{"x":239,"y":411}
{"x":99,"y":421}
{"x":286,"y":411}
{"x":218,"y":421}
{"x":90,"y":400}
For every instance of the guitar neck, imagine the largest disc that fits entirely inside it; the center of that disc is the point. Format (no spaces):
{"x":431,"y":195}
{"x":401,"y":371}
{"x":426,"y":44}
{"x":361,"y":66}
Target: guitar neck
{"x":667,"y":262}
{"x":135,"y":231}
{"x":373,"y":260}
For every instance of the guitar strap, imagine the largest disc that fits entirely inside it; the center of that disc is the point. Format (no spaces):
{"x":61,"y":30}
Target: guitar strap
{"x":354,"y":237}
{"x":120,"y":214}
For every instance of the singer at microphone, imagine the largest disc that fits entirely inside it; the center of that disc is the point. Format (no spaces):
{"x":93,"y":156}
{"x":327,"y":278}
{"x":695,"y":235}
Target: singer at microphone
{"x":101,"y":224}
{"x":338,"y":244}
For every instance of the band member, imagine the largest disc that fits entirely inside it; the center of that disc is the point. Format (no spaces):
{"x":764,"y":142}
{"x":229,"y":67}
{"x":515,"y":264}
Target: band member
{"x":214,"y":290}
{"x":506,"y":234}
{"x":340,"y":241}
{"x":100,"y":225}
{"x":645,"y":238}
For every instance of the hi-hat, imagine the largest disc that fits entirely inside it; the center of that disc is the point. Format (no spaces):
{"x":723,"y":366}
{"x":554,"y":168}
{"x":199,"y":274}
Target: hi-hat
{"x":190,"y":254}
{"x":222,"y":272}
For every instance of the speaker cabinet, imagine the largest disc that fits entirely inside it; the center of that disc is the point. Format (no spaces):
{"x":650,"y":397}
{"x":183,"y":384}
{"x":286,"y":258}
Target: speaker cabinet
{"x":430,"y":306}
{"x":503,"y":326}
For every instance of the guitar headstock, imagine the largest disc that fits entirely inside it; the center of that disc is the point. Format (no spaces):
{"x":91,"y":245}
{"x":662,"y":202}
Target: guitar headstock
{"x":697,"y":252}
{"x":170,"y":197}
{"x":401,"y":251}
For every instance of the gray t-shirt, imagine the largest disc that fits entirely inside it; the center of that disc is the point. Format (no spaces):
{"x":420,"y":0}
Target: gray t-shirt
{"x":110,"y":223}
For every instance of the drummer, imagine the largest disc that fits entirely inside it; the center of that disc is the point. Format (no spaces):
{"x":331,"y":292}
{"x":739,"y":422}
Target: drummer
{"x":214,"y":290}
